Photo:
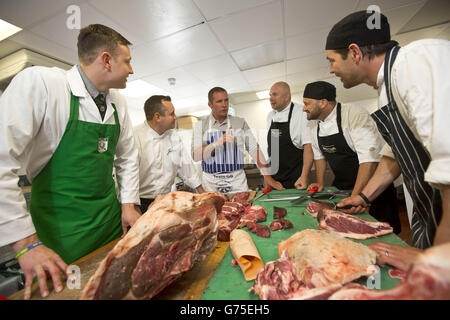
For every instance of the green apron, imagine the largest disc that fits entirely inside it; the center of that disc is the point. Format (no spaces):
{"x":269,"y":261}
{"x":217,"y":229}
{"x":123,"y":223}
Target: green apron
{"x":73,"y":203}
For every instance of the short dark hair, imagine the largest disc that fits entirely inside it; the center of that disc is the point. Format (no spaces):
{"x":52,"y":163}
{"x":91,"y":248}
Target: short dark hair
{"x":214,"y":90}
{"x":96,"y":37}
{"x":370,"y":51}
{"x":154,"y":104}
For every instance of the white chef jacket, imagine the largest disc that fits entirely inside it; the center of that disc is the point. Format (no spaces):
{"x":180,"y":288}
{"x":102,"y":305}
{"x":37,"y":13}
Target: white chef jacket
{"x":298,"y":128}
{"x":359,"y":130}
{"x":34,"y":111}
{"x":421,"y":89}
{"x":160,"y":157}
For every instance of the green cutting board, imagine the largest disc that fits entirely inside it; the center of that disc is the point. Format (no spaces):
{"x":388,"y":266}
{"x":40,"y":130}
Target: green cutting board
{"x":228,"y":282}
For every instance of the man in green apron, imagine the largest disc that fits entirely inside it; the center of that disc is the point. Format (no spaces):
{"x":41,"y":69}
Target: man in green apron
{"x":80,"y":131}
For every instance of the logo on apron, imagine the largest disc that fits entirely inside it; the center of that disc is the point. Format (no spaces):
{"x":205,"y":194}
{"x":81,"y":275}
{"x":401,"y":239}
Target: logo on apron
{"x":329,"y":149}
{"x":102,"y":144}
{"x":275,"y":133}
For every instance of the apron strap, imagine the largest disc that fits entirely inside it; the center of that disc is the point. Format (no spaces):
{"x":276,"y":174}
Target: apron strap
{"x":388,"y":63}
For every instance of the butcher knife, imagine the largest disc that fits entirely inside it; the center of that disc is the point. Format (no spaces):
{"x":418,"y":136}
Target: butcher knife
{"x":262,"y":193}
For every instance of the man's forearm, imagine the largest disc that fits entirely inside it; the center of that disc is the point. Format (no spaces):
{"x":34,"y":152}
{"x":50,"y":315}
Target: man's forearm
{"x":387,"y":171}
{"x":320,"y":165}
{"x":205,"y":152}
{"x":443,"y":230}
{"x":365,"y":172}
{"x":308,"y":159}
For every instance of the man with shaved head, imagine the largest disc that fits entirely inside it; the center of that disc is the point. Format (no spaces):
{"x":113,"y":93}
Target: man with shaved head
{"x":289,"y":144}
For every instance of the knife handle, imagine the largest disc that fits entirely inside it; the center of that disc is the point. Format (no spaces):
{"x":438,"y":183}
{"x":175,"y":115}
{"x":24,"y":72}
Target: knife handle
{"x":267,"y":190}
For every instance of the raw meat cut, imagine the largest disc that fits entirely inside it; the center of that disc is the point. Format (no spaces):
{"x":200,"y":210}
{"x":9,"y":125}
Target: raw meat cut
{"x":281,"y":224}
{"x":253,"y":213}
{"x":397,"y":273}
{"x":313,"y":208}
{"x":350,"y":226}
{"x":428,"y":278}
{"x":228,"y":219}
{"x":313,"y":264}
{"x":322,"y":257}
{"x":241,"y":197}
{"x":279,"y":212}
{"x":177,"y":231}
{"x":276,"y":225}
{"x":260,"y":230}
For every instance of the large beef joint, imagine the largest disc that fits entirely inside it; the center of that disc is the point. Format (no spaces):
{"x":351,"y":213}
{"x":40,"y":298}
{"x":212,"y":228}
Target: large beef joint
{"x":177,"y":231}
{"x":350,"y":226}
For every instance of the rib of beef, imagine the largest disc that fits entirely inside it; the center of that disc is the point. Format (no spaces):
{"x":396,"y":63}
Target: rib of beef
{"x":350,"y":226}
{"x":177,"y":231}
{"x":428,"y":278}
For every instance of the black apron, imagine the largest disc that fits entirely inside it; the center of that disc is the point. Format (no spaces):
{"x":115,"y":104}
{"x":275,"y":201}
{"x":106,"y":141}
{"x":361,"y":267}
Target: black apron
{"x":344,"y":163}
{"x":413,"y":160}
{"x":290,"y":157}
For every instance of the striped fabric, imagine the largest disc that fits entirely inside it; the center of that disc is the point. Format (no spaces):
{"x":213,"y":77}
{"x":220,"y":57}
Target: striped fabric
{"x":413,"y":160}
{"x":226,"y":159}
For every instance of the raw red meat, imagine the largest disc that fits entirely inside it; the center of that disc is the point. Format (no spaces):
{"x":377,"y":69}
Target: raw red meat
{"x":253,"y":213}
{"x":229,"y":219}
{"x":241,"y":197}
{"x":397,"y":273}
{"x":276,"y":225}
{"x":427,"y":279}
{"x":350,"y":226}
{"x":279,"y":212}
{"x":178,"y":231}
{"x":313,"y":208}
{"x":260,"y":230}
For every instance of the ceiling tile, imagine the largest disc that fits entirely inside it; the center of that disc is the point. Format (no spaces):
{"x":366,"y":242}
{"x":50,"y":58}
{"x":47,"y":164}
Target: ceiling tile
{"x":384,"y":5}
{"x":306,"y":44}
{"x":302,"y":78}
{"x":147,"y":59}
{"x":215,"y":67}
{"x":150,"y":19}
{"x":432,"y":13}
{"x":55,"y":29}
{"x":212,"y":9}
{"x":191,"y":45}
{"x":438,"y":32}
{"x":400,"y":16}
{"x":183,"y":78}
{"x":266,"y":72}
{"x":307,"y":63}
{"x":309,"y":15}
{"x":24,"y":13}
{"x":260,"y":55}
{"x":235,"y":82}
{"x":266,"y":84}
{"x":249,"y":28}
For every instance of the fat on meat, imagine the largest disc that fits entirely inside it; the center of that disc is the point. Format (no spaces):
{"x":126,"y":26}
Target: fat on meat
{"x":313,"y":264}
{"x":177,"y":231}
{"x":427,"y":279}
{"x":351,"y":226}
{"x":313,"y":208}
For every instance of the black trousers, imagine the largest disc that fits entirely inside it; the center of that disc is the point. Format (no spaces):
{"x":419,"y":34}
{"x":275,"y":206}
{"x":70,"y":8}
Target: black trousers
{"x":145,"y":203}
{"x":385,"y":209}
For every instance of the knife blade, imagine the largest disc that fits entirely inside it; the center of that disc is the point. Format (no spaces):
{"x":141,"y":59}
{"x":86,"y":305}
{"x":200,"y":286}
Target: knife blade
{"x":260,"y":195}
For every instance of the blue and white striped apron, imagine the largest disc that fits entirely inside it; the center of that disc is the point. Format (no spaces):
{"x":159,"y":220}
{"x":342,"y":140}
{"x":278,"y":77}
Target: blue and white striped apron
{"x":227,"y":158}
{"x":413,"y":160}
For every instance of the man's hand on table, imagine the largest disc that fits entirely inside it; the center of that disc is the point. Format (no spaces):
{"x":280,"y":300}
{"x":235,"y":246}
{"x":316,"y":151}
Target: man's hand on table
{"x":40,"y":262}
{"x":271,"y":182}
{"x":397,"y":256}
{"x":359,"y":205}
{"x":130,"y":214}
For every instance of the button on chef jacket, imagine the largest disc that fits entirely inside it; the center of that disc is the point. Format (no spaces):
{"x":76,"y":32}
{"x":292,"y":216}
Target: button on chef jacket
{"x":160,"y":158}
{"x":359,"y":130}
{"x":32,"y":129}
{"x":421,"y":89}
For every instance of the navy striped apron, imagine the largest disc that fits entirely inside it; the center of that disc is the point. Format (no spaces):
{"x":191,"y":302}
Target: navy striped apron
{"x":226,"y":159}
{"x":413,"y":160}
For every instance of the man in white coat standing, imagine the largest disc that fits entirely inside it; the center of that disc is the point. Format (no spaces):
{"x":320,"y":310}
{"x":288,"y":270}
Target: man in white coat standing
{"x":161,"y":152}
{"x":68,"y":130}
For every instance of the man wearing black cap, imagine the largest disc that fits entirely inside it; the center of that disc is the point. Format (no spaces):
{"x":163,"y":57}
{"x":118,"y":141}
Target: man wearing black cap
{"x":347,"y":138}
{"x":413,"y":88}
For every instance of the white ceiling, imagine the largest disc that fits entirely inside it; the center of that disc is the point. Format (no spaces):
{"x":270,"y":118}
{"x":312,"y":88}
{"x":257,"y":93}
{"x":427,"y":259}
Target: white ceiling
{"x":241,"y":45}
